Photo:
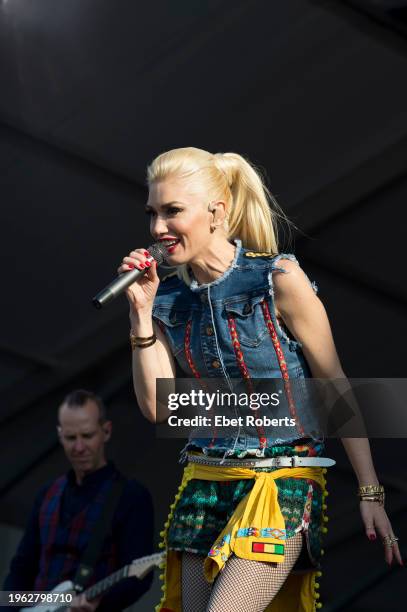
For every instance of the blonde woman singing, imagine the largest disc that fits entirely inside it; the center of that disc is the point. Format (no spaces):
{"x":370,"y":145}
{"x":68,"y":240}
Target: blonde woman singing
{"x":244,"y":532}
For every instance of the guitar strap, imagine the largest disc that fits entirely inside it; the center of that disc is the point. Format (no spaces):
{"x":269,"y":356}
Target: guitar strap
{"x":90,"y":556}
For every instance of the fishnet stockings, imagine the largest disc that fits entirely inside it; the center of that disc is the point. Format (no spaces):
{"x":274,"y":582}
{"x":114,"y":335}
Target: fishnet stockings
{"x":242,"y":586}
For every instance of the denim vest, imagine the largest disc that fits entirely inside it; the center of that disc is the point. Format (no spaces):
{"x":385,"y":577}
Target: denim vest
{"x":228,"y":329}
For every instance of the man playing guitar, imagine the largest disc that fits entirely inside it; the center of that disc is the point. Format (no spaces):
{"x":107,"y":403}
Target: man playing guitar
{"x":66,"y":511}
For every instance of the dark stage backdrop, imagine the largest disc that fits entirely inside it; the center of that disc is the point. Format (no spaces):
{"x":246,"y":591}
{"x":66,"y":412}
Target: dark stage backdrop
{"x":313,"y":92}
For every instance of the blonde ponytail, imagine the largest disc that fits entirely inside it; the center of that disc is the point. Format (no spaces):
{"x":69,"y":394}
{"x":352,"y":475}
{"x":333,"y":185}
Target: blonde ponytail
{"x":254,"y":212}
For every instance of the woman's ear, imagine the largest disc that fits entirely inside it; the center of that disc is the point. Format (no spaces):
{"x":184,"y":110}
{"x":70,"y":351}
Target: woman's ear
{"x":219,"y":214}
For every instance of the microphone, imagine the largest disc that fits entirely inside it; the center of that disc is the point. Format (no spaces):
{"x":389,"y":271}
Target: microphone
{"x":118,"y":285}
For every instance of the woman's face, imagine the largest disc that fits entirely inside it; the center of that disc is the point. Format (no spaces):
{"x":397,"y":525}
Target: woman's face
{"x":178,"y":214}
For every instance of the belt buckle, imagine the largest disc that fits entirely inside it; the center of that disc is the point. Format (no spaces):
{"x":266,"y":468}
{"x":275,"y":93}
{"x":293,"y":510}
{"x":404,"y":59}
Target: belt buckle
{"x":293,"y":461}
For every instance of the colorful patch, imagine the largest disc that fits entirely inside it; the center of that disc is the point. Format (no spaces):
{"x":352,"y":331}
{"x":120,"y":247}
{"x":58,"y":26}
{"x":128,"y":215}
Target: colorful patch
{"x":271,"y":549}
{"x":266,"y":532}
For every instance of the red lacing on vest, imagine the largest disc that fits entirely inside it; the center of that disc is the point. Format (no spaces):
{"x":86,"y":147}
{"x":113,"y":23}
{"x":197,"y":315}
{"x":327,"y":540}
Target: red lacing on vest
{"x":244,"y":371}
{"x":188,"y":355}
{"x":187,"y":349}
{"x":282,"y":364}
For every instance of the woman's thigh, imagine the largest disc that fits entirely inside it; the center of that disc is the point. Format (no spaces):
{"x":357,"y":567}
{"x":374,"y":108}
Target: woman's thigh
{"x":196,"y":591}
{"x":249,"y":586}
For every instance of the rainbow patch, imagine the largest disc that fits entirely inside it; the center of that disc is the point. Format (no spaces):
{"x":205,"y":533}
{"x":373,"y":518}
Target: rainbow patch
{"x":271,"y":549}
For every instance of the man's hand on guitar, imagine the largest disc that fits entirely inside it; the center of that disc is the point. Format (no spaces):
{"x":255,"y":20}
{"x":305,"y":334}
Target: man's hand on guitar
{"x":81,"y":604}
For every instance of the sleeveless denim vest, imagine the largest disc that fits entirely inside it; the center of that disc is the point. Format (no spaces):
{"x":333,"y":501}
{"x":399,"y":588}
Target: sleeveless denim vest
{"x":228,"y":329}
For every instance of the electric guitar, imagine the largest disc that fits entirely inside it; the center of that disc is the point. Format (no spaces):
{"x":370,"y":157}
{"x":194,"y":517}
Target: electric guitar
{"x":139,"y":568}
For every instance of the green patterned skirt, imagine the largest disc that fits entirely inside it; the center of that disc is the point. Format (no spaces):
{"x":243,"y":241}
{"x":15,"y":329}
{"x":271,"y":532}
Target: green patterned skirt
{"x":206,"y":506}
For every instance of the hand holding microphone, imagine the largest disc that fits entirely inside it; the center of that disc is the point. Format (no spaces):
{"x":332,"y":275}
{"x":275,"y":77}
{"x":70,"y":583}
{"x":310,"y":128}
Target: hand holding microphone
{"x":137,"y":277}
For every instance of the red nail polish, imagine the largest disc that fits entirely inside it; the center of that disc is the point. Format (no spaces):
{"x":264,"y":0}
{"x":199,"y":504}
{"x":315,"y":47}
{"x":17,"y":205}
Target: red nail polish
{"x":148,"y":264}
{"x":372,"y":536}
{"x":146,"y":253}
{"x":141,"y":266}
{"x":131,"y":266}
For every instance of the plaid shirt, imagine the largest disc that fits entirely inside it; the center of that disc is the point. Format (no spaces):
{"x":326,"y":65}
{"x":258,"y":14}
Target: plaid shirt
{"x":63,"y":544}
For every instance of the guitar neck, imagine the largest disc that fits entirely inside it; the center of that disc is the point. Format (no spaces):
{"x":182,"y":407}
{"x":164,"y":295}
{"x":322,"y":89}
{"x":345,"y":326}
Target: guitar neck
{"x":101,"y":587}
{"x":138,"y":568}
{"x":104,"y":585}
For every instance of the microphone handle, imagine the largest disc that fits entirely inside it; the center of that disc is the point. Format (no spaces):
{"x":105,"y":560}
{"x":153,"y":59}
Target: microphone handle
{"x":118,"y":285}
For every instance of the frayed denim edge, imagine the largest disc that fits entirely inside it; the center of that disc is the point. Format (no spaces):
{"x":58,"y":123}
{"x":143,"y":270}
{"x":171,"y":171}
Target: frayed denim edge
{"x":293,"y":345}
{"x":194,"y":283}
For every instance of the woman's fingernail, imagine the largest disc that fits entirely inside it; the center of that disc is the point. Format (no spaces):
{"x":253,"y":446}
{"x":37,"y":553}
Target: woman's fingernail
{"x":131,"y":266}
{"x":141,"y":265}
{"x":148,"y":264}
{"x":146,"y":253}
{"x":372,"y":536}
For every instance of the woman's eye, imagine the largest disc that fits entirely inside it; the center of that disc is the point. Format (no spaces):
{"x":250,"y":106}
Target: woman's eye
{"x":170,"y":211}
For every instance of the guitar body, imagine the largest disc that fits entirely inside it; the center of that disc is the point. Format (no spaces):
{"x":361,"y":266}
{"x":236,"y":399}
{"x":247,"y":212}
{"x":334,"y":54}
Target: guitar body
{"x":138,"y":568}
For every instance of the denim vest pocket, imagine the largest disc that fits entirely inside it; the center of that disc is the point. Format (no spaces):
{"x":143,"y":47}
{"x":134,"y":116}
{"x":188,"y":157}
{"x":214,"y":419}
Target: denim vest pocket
{"x":175,"y":322}
{"x":249,"y":319}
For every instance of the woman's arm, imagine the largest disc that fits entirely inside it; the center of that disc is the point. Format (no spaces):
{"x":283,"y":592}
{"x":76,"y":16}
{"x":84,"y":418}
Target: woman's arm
{"x":153,"y":361}
{"x":148,"y":364}
{"x":305,"y":316}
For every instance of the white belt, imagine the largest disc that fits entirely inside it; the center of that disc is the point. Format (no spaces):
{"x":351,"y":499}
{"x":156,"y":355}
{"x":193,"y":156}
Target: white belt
{"x":294,"y":461}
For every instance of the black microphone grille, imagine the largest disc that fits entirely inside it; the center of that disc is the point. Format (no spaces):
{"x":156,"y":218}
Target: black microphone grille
{"x":158,"y":251}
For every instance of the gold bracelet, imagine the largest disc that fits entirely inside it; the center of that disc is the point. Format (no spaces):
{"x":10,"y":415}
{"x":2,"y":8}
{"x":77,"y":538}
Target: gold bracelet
{"x":378,"y":501}
{"x":142,"y":342}
{"x":370,"y":489}
{"x":145,"y":345}
{"x":371,"y":497}
{"x":141,"y":338}
{"x":371,"y":493}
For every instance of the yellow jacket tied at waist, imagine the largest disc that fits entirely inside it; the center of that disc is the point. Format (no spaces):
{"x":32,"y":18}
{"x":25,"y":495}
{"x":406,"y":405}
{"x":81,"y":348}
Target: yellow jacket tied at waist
{"x":255,"y":531}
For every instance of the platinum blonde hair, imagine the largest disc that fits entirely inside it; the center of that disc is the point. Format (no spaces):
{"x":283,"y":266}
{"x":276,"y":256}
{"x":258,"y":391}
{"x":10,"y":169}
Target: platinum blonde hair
{"x":252,"y":212}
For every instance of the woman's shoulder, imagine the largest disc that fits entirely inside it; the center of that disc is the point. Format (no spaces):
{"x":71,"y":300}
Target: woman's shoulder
{"x":293,"y":276}
{"x":289,"y":272}
{"x":283,"y":262}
